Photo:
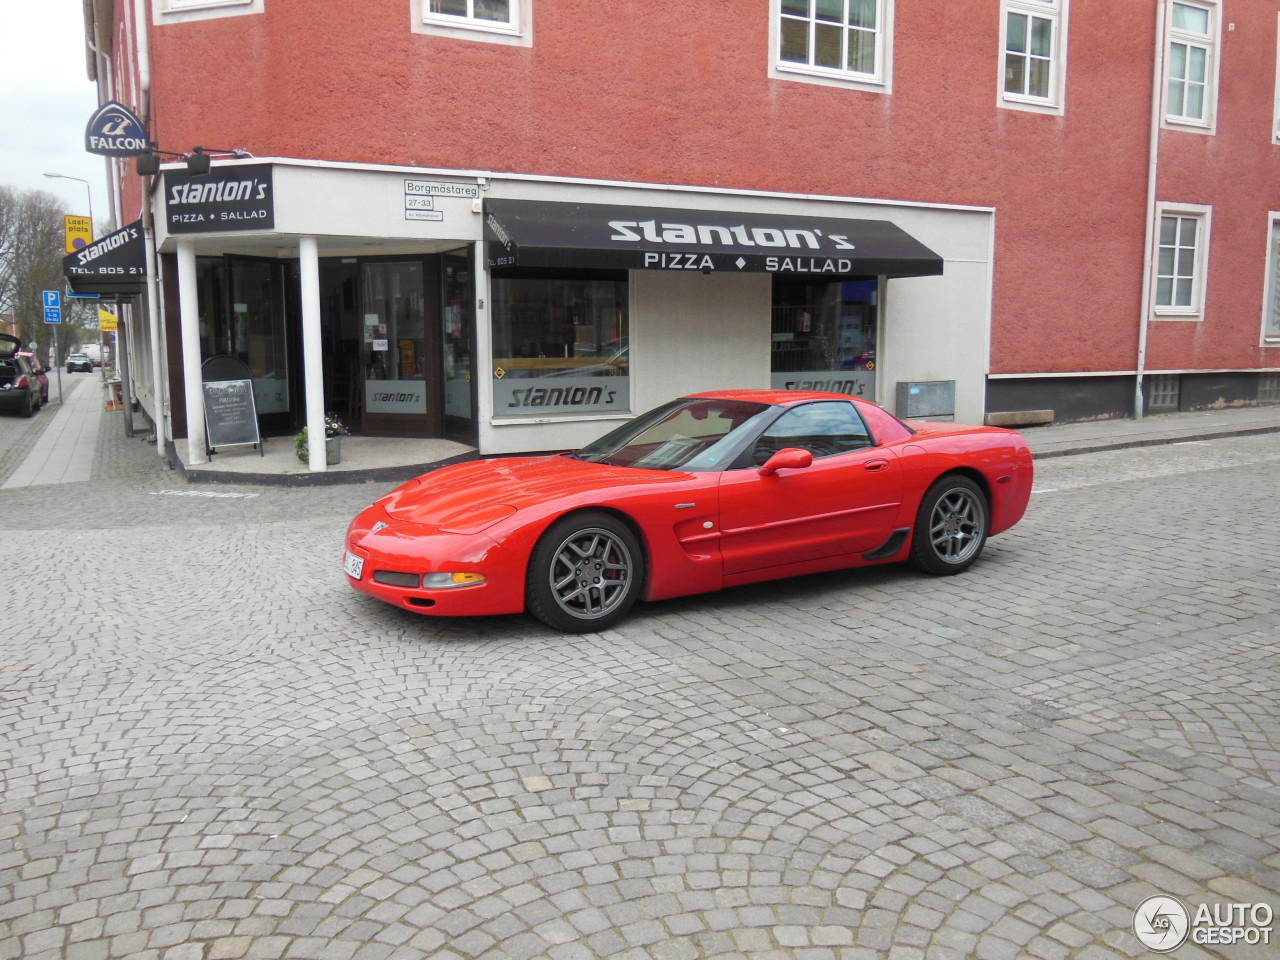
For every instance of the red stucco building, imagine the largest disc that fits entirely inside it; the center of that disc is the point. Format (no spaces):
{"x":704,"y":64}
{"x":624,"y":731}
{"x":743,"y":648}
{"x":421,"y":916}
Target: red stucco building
{"x":503,"y":221}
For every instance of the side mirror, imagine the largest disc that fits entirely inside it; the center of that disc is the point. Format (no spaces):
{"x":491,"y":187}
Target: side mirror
{"x":790,"y":458}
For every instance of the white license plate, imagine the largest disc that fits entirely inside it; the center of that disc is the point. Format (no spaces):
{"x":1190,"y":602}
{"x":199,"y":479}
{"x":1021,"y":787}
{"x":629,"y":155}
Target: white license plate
{"x":353,"y":565}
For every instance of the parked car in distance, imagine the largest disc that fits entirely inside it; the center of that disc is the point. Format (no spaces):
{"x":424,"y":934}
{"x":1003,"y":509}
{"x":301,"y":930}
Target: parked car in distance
{"x":79,"y":361}
{"x":41,"y":374}
{"x":709,"y":491}
{"x":20,"y":387}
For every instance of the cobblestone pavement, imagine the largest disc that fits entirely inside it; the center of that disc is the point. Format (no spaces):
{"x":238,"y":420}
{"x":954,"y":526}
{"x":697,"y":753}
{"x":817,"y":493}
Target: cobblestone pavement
{"x":213,"y":749}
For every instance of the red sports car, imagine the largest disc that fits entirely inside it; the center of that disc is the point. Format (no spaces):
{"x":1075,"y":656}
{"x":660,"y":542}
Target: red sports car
{"x":708,"y":491}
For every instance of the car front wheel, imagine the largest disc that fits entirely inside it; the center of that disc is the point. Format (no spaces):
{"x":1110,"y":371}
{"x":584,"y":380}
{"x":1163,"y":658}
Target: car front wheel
{"x":951,"y":527}
{"x":584,"y":573}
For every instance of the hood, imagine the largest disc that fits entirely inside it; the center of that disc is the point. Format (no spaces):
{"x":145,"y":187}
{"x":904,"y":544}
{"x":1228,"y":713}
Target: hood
{"x":9,"y":345}
{"x":468,"y":497}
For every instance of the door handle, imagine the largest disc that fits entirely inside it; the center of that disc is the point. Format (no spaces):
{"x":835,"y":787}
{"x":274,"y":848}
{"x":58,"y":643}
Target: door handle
{"x":874,"y":465}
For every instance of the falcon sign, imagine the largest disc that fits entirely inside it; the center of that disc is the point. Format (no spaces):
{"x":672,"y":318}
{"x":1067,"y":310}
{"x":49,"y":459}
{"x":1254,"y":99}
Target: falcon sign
{"x":114,"y":131}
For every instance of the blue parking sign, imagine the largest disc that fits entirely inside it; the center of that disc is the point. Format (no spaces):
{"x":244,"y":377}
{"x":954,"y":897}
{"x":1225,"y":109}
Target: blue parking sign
{"x":52,"y":301}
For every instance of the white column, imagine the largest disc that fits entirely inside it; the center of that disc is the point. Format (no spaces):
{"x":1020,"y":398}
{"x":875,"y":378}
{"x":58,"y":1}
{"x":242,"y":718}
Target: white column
{"x":482,"y":351}
{"x":312,"y":361}
{"x":158,"y":387}
{"x":189,"y":308}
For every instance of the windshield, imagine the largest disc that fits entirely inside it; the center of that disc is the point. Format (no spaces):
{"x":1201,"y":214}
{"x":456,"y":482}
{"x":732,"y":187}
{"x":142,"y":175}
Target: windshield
{"x":689,"y":434}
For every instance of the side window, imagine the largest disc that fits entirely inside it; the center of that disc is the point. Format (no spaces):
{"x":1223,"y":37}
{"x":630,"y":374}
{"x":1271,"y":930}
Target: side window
{"x":1182,"y":239}
{"x":845,"y":42}
{"x":1191,"y":65}
{"x":494,"y":21}
{"x":1034,"y":45}
{"x":825,"y":429}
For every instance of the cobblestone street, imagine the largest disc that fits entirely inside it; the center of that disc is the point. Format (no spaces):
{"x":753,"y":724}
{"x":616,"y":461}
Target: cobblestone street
{"x":213,"y":749}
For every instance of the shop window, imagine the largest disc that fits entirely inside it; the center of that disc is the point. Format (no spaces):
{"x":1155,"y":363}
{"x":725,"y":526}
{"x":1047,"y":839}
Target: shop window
{"x":1034,"y":44}
{"x":1182,"y":245}
{"x":843,"y":41}
{"x":456,"y":342}
{"x":1191,"y":65}
{"x":394,"y":339}
{"x":560,"y":346}
{"x":824,"y":336}
{"x":500,"y":21}
{"x":1271,"y":305}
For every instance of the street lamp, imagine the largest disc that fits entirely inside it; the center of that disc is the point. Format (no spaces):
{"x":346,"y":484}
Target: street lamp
{"x":87,"y":189}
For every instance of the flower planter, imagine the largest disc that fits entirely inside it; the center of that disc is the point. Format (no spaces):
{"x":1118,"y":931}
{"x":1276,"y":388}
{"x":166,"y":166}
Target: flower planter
{"x":332,"y":450}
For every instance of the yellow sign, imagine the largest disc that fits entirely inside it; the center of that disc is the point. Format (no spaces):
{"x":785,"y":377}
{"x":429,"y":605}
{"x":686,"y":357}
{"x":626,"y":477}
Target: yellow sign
{"x":78,"y":232}
{"x":107,"y":321}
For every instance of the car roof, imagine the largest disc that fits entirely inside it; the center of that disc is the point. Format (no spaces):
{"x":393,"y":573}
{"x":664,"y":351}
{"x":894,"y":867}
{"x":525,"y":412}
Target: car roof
{"x":777,"y":398}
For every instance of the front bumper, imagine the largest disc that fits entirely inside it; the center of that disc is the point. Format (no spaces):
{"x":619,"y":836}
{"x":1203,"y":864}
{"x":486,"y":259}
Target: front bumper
{"x":407,"y":548}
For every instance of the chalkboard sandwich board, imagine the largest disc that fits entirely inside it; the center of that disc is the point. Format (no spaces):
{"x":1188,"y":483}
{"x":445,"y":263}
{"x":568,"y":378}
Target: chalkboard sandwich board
{"x":230,"y":414}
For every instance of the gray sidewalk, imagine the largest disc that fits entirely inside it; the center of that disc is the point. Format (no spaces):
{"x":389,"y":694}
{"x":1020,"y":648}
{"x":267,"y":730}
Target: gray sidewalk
{"x":1057,"y":440}
{"x":63,"y":453}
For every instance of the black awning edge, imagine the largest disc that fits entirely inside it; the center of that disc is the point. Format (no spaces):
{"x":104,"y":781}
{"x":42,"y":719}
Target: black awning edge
{"x":114,"y":264}
{"x":531,"y":233}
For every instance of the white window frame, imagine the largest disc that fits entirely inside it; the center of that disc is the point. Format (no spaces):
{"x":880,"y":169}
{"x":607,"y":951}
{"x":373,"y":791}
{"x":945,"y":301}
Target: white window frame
{"x":1212,"y":45}
{"x":518,"y":31}
{"x":1270,"y":334}
{"x":1054,"y":11}
{"x":180,"y":11}
{"x":878,"y":81}
{"x":1203,"y":215}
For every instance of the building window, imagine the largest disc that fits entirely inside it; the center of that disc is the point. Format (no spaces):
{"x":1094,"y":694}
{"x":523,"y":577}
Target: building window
{"x":1034,"y":44}
{"x":485,"y":14}
{"x":493,"y":21}
{"x":824,"y":336}
{"x":844,"y":41}
{"x":1163,"y":392}
{"x":560,"y":346}
{"x":172,"y":11}
{"x":1191,"y":66}
{"x":1275,"y":115}
{"x":1271,"y":306}
{"x":1181,"y":256}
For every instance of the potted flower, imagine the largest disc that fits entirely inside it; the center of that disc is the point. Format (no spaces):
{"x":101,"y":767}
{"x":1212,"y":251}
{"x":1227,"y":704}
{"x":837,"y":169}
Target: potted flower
{"x":334,"y":431}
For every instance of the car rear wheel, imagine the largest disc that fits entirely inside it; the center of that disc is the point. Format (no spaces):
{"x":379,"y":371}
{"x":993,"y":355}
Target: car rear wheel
{"x":585,"y":573}
{"x":29,"y":407}
{"x":951,"y":527}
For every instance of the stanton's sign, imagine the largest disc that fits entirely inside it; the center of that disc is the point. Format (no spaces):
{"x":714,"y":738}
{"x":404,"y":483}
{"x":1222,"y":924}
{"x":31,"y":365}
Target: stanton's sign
{"x":114,"y":264}
{"x":235,"y":197}
{"x":530,"y":233}
{"x":115,"y":131}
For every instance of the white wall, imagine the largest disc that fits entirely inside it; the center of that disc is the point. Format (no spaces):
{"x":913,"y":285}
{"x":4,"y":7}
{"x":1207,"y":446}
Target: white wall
{"x":694,"y":332}
{"x":689,"y":332}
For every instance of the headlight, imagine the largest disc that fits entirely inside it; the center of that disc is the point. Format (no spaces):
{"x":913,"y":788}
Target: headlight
{"x":437,"y":581}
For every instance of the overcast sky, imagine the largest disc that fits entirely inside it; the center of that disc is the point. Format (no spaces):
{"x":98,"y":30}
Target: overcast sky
{"x":46,"y":99}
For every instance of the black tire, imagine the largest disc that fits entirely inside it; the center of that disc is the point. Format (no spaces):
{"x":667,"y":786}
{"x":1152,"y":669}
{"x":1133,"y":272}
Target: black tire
{"x":585,"y":573}
{"x":951,"y":527}
{"x":29,"y":407}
